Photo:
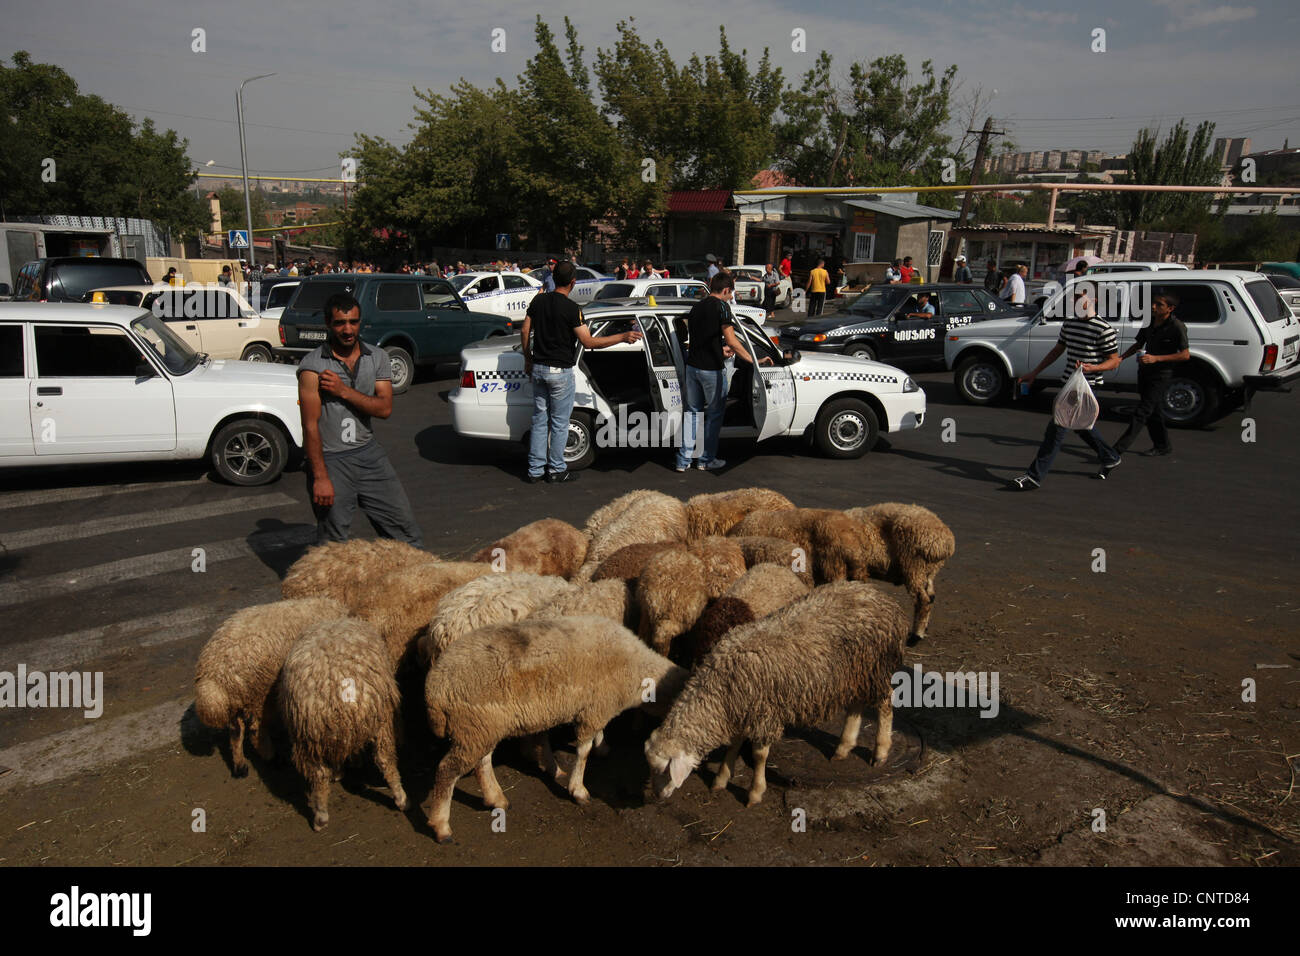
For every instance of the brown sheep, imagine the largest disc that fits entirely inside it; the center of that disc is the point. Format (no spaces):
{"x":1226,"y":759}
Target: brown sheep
{"x":236,"y":675}
{"x":759,"y":549}
{"x":671,"y":594}
{"x":763,"y":589}
{"x":719,"y":513}
{"x":723,"y":559}
{"x":546,"y":547}
{"x":337,"y":694}
{"x":834,"y":651}
{"x":603,"y":515}
{"x":401,"y":604}
{"x":340,"y":568}
{"x":917,"y":543}
{"x":649,"y":516}
{"x":611,"y":598}
{"x":837,"y":547}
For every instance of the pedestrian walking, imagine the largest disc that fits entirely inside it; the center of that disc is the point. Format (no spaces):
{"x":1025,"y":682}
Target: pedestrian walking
{"x":553,"y":326}
{"x":1158,"y":346}
{"x":341,"y":387}
{"x":992,"y":278}
{"x":711,"y":330}
{"x":818,"y":279}
{"x":785,"y":265}
{"x":1088,"y":342}
{"x":962,"y":272}
{"x":547,"y":276}
{"x":771,"y":285}
{"x":712,"y":260}
{"x":1014,"y":288}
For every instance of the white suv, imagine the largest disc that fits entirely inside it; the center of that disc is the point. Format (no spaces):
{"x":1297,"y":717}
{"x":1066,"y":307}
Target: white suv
{"x":839,"y":403}
{"x":1242,"y":338}
{"x":107,"y":383}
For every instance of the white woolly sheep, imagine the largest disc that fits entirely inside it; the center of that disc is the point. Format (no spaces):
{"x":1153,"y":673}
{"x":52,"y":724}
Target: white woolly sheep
{"x":337,"y":694}
{"x":611,"y":598}
{"x":830,"y":652}
{"x":548,"y":547}
{"x":723,"y":559}
{"x":401,"y":604}
{"x":837,"y":546}
{"x":603,"y":515}
{"x":525,"y":678}
{"x":917,"y":543}
{"x":234,"y":681}
{"x":763,"y":589}
{"x":491,"y":599}
{"x":340,"y":569}
{"x":650,"y":516}
{"x":719,"y":513}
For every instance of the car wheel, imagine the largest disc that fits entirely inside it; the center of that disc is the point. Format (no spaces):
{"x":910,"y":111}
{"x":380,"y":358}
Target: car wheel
{"x":1191,"y":398}
{"x":861,"y":352}
{"x":256,"y":353}
{"x":981,"y":380}
{"x":249,"y":452}
{"x":846,"y":428}
{"x":402,"y":366}
{"x":580,"y":445}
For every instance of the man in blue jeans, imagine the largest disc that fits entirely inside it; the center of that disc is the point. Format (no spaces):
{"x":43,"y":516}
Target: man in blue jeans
{"x":553,"y":328}
{"x":710,"y":329}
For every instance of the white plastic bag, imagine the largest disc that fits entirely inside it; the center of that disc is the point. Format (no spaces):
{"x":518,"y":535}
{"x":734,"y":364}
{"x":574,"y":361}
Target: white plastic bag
{"x":1076,"y":407}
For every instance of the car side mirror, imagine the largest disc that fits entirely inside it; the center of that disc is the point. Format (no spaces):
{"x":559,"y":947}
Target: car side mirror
{"x":144,"y":370}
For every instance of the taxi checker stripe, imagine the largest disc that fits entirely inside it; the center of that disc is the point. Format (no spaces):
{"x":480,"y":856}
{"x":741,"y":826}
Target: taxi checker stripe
{"x":847,"y":377}
{"x":508,"y":373}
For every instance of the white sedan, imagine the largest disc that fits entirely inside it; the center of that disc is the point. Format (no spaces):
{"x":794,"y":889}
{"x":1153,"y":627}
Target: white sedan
{"x":753,"y":273}
{"x":86,"y":384}
{"x":838,"y":403}
{"x":505,"y":293}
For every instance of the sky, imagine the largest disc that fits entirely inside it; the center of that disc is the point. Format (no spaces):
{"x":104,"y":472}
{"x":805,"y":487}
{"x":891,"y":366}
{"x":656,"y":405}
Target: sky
{"x":346,"y":67}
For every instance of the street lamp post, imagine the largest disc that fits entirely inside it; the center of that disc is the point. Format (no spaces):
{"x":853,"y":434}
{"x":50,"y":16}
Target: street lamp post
{"x":243,"y":159}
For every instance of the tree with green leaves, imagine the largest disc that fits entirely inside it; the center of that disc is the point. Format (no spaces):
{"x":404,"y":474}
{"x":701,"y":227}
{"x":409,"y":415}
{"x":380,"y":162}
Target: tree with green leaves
{"x":882,"y":127}
{"x":101,"y":164}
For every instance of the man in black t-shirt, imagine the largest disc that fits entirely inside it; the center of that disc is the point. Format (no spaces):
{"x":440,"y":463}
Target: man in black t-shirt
{"x":553,"y":327}
{"x":709,"y":325}
{"x":1164,"y":342}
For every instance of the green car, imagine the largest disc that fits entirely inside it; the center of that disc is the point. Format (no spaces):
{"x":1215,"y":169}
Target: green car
{"x":1291,"y":269}
{"x":417,"y":320}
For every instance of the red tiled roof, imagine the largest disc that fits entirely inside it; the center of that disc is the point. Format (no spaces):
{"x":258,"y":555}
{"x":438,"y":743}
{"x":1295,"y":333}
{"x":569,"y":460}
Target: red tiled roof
{"x":698,"y":200}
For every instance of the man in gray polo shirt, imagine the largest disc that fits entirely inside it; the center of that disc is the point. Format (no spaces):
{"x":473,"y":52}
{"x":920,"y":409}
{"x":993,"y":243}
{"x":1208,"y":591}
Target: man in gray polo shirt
{"x":341,"y":386}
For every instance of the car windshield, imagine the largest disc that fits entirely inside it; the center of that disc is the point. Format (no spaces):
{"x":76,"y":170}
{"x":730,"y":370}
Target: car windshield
{"x":77,"y":280}
{"x":280,"y":295}
{"x":876,"y":301}
{"x":458,"y":282}
{"x":175,"y":354}
{"x":312,"y":295}
{"x":1270,"y":303}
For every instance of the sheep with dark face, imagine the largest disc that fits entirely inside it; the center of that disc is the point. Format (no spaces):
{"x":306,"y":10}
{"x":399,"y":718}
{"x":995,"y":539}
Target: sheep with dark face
{"x":917,"y":544}
{"x":546,"y":547}
{"x":763,"y":589}
{"x":833,"y":651}
{"x":338,"y":695}
{"x":235,"y":680}
{"x":508,"y":680}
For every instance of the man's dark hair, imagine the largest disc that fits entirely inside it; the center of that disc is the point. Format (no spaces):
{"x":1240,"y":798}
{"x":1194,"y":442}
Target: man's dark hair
{"x":563,"y":274}
{"x":723,"y":280}
{"x":897,"y":262}
{"x":339,"y":303}
{"x":907,"y":259}
{"x":1168,"y":297}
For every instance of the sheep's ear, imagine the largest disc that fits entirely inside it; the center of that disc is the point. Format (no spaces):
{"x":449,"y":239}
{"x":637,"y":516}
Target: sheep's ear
{"x":679,"y":768}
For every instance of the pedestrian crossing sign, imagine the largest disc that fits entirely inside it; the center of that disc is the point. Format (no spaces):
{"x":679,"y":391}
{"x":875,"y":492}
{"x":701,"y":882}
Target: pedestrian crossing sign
{"x":238,"y":238}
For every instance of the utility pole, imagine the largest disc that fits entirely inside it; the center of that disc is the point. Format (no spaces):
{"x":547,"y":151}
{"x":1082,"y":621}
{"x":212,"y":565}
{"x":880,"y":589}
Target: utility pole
{"x":977,"y":169}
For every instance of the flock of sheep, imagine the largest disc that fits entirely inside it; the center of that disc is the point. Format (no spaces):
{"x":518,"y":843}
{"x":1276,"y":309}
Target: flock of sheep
{"x":731,"y":616}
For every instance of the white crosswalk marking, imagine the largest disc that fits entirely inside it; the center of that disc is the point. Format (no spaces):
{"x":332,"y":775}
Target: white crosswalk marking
{"x":145,"y":519}
{"x":146,"y":565}
{"x":30,"y":499}
{"x":97,"y":744}
{"x":92,"y":643}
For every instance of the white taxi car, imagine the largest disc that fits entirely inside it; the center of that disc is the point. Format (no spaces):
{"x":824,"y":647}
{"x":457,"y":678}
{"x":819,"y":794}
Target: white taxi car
{"x":212,"y":319}
{"x":505,"y":293}
{"x":840,"y":404}
{"x":105,"y":383}
{"x":754,"y":273}
{"x":586,"y":284}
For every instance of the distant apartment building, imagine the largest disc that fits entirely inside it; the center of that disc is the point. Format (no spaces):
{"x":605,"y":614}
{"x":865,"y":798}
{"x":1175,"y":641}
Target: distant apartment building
{"x":1230,"y":151}
{"x":1051,"y":160}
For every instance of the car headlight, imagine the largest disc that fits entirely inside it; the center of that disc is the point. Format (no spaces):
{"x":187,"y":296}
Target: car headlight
{"x":910,"y":386}
{"x":813,"y":337}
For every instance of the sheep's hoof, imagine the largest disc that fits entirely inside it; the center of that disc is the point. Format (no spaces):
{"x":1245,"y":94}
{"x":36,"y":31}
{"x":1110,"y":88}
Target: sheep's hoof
{"x":239,"y":770}
{"x":914,"y":639}
{"x":581,"y":797}
{"x":501,"y":803}
{"x":754,"y":799}
{"x":399,"y":798}
{"x":841,"y":753}
{"x":878,"y":759}
{"x":321,"y":822}
{"x":719,"y":784}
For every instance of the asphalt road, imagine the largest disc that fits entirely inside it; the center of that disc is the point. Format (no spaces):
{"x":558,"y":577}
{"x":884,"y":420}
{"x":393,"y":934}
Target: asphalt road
{"x":98,"y":565}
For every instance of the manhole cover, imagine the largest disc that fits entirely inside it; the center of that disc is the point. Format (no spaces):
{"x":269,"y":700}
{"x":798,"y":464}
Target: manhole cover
{"x":802,"y":758}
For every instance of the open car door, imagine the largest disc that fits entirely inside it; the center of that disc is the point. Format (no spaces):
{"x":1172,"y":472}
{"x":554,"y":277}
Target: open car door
{"x":664,"y":357}
{"x":772,"y":390}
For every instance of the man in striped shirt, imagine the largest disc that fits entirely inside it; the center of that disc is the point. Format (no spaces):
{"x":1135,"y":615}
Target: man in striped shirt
{"x":1089,"y":342}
